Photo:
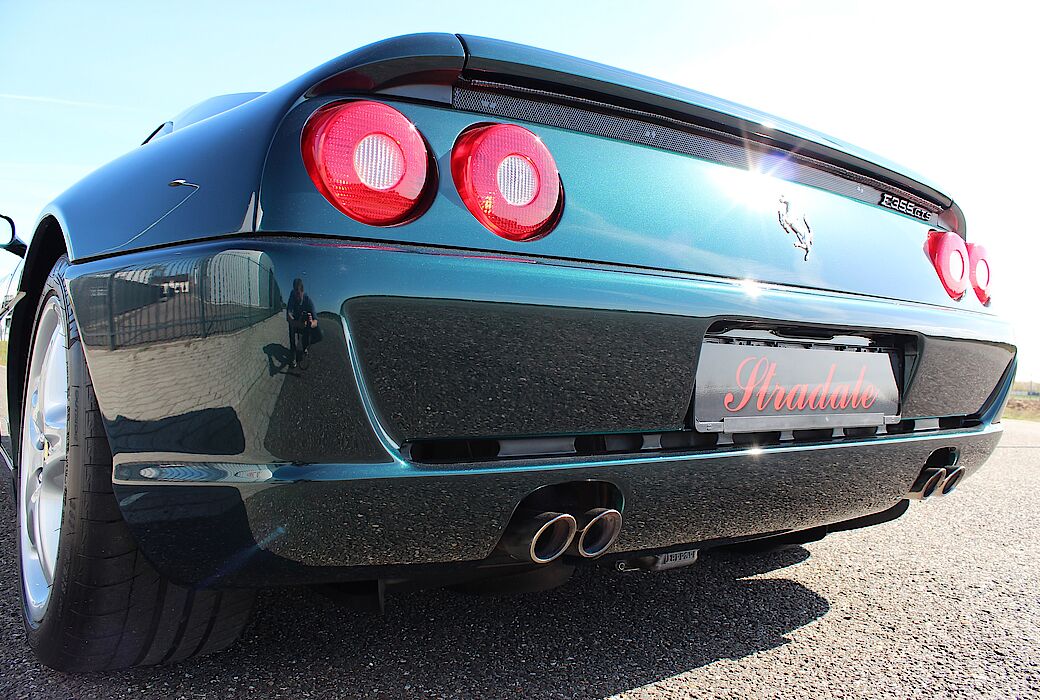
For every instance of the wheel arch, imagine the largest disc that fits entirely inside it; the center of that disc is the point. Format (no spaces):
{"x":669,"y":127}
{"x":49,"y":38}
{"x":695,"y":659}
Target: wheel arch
{"x":49,"y":242}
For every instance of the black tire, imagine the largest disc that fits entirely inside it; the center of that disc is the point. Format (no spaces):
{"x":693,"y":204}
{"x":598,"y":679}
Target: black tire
{"x":108,"y":607}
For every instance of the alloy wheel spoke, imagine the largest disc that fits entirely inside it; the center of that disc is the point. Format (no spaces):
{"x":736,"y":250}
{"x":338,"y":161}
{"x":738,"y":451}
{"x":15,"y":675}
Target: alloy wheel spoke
{"x":38,"y":530}
{"x":32,"y":514}
{"x":53,"y":390}
{"x":37,"y":430}
{"x":43,"y":457}
{"x":53,"y":473}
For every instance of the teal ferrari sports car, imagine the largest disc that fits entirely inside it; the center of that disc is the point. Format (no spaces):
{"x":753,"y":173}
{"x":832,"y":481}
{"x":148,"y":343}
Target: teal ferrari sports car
{"x":448,"y":310}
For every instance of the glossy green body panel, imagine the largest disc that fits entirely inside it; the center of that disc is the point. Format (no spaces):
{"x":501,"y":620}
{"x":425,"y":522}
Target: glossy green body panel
{"x":128,"y":204}
{"x":639,"y":206}
{"x":424,"y":342}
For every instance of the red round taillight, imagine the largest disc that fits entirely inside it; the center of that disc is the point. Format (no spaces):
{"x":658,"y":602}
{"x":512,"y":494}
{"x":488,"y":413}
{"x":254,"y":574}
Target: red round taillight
{"x":978,"y":271}
{"x":368,"y":160}
{"x":508,"y":180}
{"x":950,"y":257}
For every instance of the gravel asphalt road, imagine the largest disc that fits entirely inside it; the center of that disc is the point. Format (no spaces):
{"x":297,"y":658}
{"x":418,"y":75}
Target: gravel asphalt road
{"x":944,"y":602}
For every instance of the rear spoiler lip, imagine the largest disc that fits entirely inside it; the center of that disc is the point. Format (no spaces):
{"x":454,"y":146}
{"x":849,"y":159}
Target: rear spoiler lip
{"x":402,"y":64}
{"x":501,"y":61}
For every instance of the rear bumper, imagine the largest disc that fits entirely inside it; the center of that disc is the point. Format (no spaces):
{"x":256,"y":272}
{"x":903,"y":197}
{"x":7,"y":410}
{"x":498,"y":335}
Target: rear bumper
{"x":232,"y":467}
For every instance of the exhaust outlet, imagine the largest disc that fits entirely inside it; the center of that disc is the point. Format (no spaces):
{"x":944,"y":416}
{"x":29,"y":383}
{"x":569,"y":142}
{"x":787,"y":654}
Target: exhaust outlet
{"x":539,"y":537}
{"x":600,"y":530}
{"x":927,"y":482}
{"x":952,"y":479}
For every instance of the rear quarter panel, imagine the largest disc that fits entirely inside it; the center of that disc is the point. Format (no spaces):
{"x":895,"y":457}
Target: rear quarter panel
{"x":128,"y":205}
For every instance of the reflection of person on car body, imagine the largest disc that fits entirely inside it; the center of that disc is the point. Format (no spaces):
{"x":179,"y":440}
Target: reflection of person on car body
{"x":300,"y":314}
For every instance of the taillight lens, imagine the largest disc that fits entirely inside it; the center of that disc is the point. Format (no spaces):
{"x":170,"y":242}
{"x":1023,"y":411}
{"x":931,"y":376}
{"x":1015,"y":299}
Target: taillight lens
{"x":950,"y":257}
{"x":368,"y":160}
{"x":978,"y":271}
{"x":508,"y":180}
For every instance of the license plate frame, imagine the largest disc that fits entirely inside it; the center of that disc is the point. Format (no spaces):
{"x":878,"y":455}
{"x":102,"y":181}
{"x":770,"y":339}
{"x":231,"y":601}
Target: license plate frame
{"x":753,"y":387}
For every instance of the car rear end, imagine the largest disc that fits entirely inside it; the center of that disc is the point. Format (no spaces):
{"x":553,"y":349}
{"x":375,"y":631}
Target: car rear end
{"x":718,"y":327}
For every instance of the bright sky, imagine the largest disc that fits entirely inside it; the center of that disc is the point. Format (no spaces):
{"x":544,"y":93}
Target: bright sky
{"x":948,"y":90}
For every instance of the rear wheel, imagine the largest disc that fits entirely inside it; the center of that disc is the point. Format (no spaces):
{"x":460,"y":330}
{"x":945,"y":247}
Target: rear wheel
{"x":91,"y":601}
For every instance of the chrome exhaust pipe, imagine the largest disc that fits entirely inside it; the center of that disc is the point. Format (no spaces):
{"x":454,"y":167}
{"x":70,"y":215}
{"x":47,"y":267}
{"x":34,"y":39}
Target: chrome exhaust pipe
{"x":952,"y":479}
{"x":539,"y":537}
{"x":927,"y":482}
{"x":600,"y":528}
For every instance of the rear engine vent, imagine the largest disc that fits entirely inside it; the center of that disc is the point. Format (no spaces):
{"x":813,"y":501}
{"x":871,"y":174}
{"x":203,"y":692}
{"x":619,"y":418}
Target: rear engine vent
{"x":684,"y":441}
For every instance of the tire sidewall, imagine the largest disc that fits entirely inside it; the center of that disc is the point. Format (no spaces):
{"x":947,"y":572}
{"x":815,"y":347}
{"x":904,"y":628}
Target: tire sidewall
{"x":48,"y":631}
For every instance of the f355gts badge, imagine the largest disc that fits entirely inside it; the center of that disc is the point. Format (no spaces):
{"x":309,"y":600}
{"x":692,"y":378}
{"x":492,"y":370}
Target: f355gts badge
{"x":795,"y":223}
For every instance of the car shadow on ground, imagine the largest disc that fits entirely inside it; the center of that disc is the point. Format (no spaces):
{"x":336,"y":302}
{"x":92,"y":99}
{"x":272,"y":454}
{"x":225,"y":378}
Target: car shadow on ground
{"x":278,"y":358}
{"x":602,"y":633}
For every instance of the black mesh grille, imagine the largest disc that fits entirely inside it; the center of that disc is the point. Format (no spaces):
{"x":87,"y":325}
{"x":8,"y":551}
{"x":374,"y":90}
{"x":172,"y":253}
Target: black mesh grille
{"x":673,"y":135}
{"x":686,"y":441}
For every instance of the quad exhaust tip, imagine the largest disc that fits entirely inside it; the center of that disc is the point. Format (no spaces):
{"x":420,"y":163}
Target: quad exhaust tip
{"x":543,"y":537}
{"x":929,"y":480}
{"x":540,"y":537}
{"x":602,"y":526}
{"x":953,"y":477}
{"x":936,"y":481}
{"x":553,"y":538}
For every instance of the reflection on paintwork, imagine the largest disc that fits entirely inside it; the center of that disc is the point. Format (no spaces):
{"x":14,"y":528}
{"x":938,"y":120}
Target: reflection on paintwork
{"x":303,"y":323}
{"x":190,"y":356}
{"x":448,"y":342}
{"x":451,"y":345}
{"x":184,"y":298}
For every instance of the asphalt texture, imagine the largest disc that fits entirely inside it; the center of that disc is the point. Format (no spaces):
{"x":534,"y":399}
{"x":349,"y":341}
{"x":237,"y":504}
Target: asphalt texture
{"x":944,"y":602}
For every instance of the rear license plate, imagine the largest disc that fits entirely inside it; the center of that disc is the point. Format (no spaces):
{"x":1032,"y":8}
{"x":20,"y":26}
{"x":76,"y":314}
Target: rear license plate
{"x":757,"y":388}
